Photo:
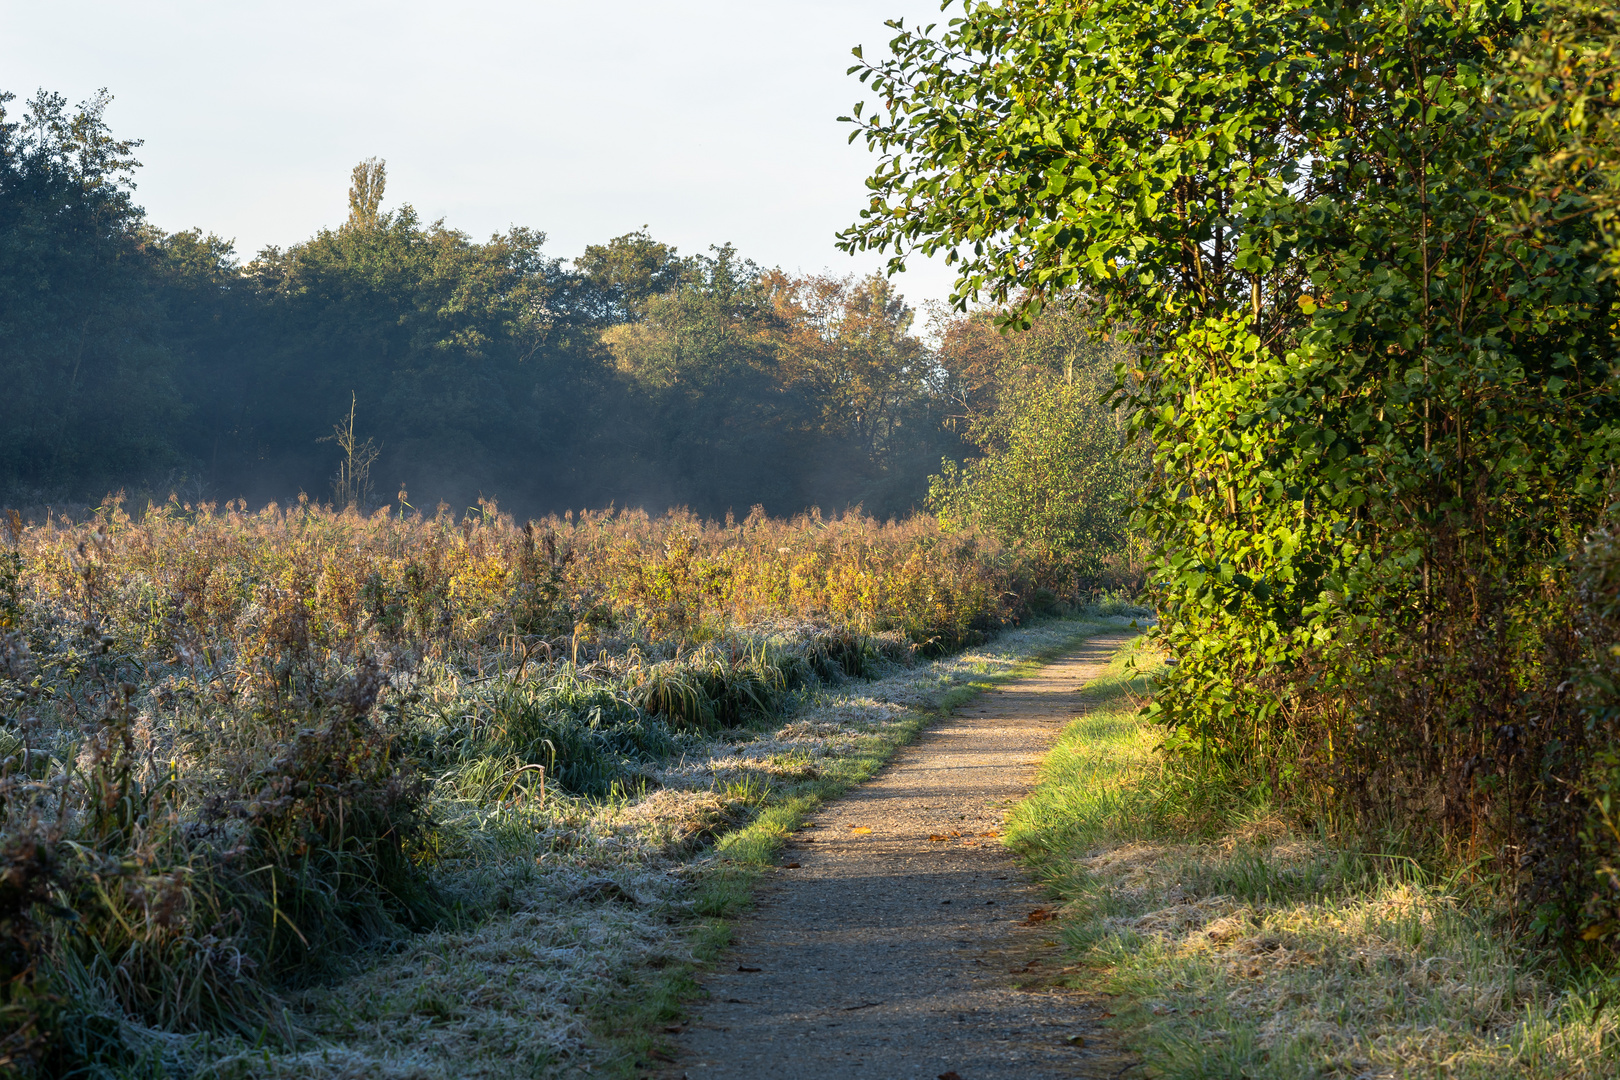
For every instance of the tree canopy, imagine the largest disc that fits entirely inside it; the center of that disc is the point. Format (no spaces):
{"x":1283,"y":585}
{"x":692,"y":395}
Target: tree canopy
{"x":633,"y":374}
{"x":1374,"y":345}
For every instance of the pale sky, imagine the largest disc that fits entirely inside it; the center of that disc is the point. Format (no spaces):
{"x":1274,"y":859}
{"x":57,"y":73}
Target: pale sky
{"x":708,"y":121}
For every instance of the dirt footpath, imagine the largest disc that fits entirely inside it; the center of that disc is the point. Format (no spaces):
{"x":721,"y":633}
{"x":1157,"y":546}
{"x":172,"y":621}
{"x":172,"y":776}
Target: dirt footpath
{"x":900,"y":939}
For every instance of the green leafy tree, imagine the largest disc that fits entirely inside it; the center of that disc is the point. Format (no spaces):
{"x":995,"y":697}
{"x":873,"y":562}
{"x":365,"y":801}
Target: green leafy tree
{"x":751,"y":387}
{"x":627,"y":272}
{"x":847,"y":343}
{"x":1567,"y":72}
{"x":1056,"y":473}
{"x":706,"y":403}
{"x":1375,"y":373}
{"x":845,"y":346}
{"x":88,"y":376}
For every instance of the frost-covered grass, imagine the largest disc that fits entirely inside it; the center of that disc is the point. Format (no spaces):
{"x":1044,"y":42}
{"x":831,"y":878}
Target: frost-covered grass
{"x":1264,"y":953}
{"x":243,"y":753}
{"x":583,"y":917}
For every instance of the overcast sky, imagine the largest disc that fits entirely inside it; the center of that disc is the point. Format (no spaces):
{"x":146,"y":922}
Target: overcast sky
{"x":708,"y":120}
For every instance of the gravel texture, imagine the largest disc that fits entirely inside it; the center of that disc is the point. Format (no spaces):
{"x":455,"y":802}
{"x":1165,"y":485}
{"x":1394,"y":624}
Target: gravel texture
{"x":900,"y":939}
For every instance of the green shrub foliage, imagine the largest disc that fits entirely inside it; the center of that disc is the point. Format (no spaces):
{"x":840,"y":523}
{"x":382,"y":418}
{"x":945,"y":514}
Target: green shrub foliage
{"x":1056,"y":473}
{"x":1375,"y":371}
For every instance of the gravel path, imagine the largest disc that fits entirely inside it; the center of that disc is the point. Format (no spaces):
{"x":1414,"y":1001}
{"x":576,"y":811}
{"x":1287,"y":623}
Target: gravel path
{"x":900,"y":939}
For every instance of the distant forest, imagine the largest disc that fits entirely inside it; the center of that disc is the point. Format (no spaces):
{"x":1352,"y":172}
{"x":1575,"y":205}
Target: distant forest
{"x":155,"y":362}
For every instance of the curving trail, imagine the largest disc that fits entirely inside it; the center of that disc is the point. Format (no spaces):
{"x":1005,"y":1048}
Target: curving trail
{"x":909,"y":951}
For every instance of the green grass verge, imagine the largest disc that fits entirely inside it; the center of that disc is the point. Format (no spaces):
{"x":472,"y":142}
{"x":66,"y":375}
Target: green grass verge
{"x":628,"y":1022}
{"x":1259,"y":952}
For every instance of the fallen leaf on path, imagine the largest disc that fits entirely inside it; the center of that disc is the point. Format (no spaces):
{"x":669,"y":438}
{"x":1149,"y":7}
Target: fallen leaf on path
{"x":936,"y":838}
{"x":790,"y":866}
{"x":1040,"y":915}
{"x":992,"y":832}
{"x":745,"y":967}
{"x":859,"y":829}
{"x":1077,"y":1040}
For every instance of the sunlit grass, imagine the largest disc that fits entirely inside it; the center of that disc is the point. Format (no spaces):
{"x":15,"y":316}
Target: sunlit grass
{"x":1096,"y":783}
{"x":1262,"y":952}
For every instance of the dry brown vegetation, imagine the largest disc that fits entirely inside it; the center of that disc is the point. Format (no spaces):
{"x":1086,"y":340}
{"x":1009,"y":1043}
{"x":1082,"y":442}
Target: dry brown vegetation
{"x":237,"y":747}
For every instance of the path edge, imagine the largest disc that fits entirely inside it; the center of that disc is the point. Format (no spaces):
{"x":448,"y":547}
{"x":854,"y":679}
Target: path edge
{"x":626,"y":1024}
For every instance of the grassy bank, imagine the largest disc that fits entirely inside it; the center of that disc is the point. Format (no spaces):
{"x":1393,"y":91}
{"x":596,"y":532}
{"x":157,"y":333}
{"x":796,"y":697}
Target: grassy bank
{"x":1251,"y":950}
{"x":597,"y":912}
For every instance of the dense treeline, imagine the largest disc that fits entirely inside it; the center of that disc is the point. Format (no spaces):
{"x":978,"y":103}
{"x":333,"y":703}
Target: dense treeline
{"x":637,"y":375}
